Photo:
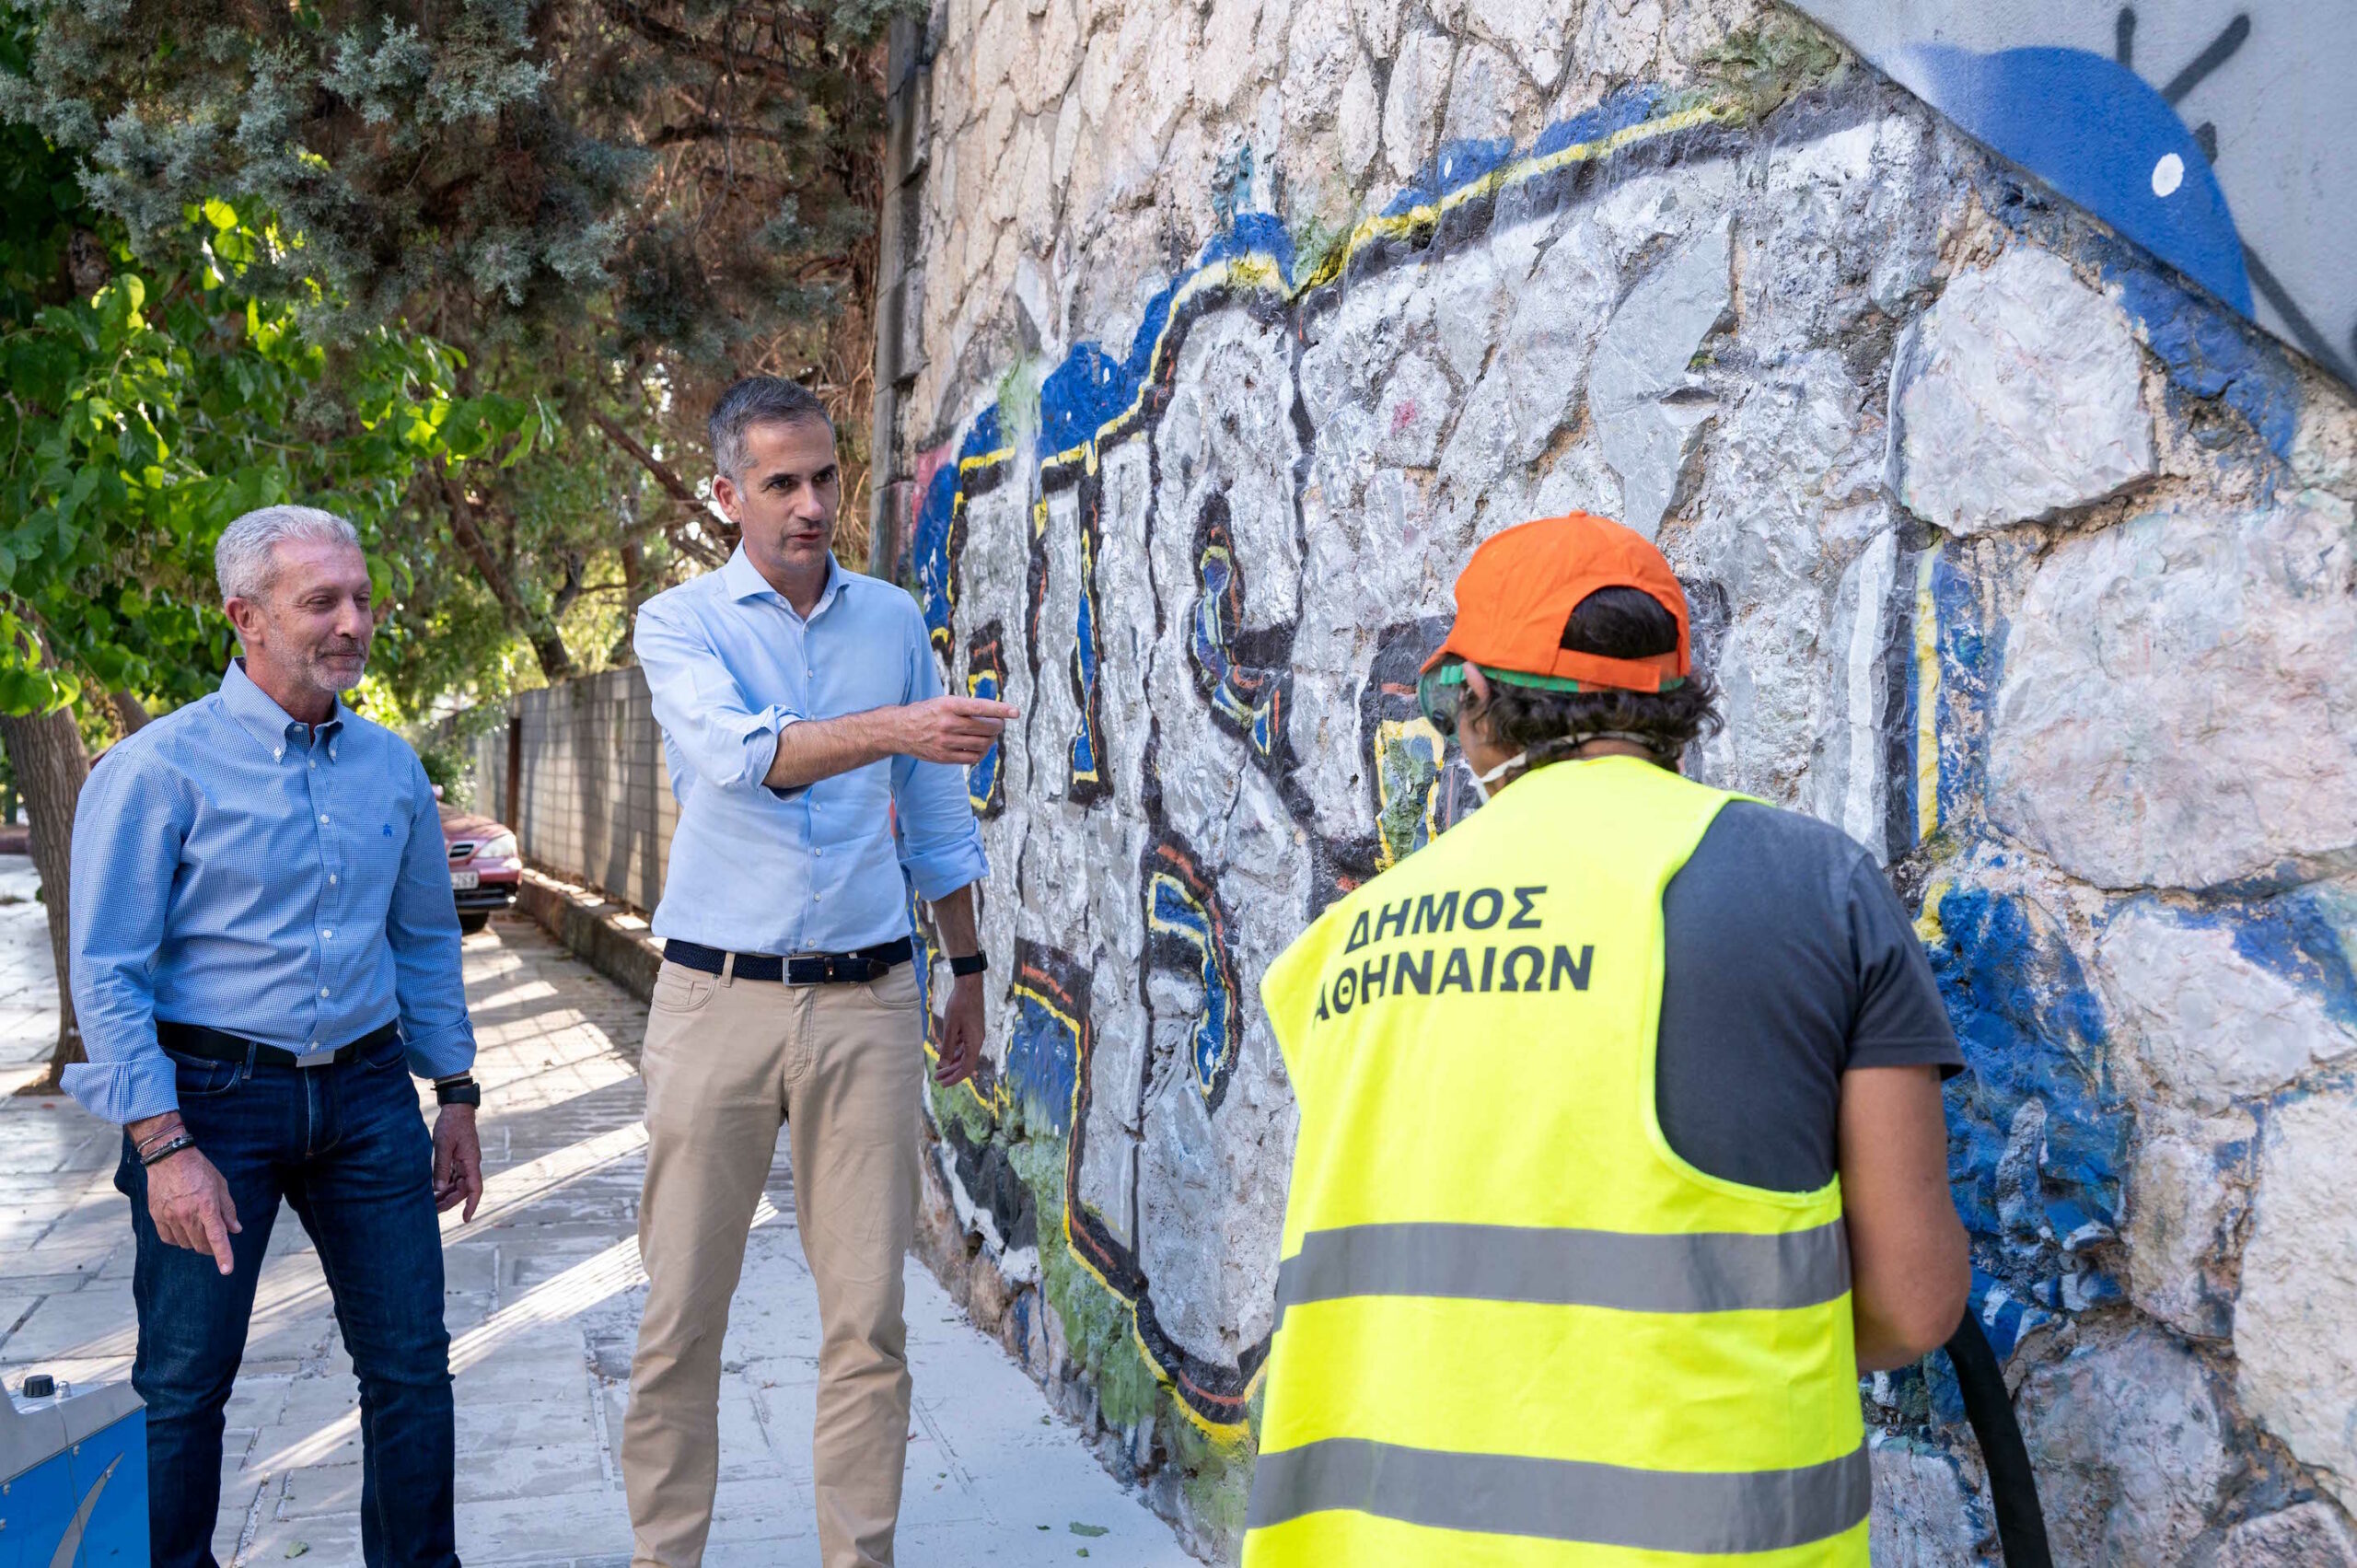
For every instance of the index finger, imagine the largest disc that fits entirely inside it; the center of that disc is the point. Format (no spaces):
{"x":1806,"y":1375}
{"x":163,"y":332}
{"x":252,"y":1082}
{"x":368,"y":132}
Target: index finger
{"x":217,"y":1237}
{"x":982,"y":708}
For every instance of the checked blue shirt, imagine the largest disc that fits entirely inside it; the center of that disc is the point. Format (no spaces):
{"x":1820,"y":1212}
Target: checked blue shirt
{"x":817,"y":869}
{"x":287,"y":883}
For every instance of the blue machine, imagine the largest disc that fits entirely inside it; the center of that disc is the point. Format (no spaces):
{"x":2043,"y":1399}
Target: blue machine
{"x":74,"y":1480}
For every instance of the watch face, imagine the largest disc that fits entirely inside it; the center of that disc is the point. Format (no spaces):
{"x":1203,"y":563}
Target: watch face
{"x":2196,"y":130}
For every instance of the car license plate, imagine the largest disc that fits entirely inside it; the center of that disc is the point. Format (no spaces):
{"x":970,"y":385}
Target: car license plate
{"x":462,"y":881}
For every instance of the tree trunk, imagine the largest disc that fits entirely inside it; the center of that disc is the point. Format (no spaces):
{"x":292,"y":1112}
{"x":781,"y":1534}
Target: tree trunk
{"x":49,"y":764}
{"x":633,"y":595}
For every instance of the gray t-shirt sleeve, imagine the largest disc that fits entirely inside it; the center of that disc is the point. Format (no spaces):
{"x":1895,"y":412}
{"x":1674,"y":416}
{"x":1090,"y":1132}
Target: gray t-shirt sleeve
{"x":1900,"y":1021}
{"x":1788,"y":960}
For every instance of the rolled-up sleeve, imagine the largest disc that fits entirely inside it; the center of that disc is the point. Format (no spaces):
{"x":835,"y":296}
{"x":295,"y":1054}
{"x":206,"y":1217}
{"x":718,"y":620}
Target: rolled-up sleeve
{"x":128,"y":829}
{"x":933,"y":830}
{"x":421,"y":928}
{"x":725,"y":741}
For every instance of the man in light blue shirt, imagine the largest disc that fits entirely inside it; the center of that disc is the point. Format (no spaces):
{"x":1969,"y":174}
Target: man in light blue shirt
{"x":816,"y":764}
{"x":264,"y":949}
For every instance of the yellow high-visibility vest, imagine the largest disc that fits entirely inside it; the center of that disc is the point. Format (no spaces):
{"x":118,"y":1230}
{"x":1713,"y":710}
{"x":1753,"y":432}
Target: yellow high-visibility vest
{"x":1514,"y":1326}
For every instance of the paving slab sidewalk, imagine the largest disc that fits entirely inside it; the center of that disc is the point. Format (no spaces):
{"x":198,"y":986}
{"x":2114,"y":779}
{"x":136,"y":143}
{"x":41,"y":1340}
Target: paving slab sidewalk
{"x":543,"y":1295}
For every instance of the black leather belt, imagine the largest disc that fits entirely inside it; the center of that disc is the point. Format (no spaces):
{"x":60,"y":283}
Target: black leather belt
{"x":801,"y":969}
{"x":219,"y":1045}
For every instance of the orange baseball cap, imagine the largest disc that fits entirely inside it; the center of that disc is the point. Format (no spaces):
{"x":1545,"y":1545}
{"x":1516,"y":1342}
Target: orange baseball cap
{"x":1517,"y":593}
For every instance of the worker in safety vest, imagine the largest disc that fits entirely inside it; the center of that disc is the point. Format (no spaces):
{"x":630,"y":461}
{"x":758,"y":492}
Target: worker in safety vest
{"x":1621,"y":1152}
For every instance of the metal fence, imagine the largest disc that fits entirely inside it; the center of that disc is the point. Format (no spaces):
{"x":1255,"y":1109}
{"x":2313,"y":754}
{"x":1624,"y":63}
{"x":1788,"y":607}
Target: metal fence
{"x":578,"y":773}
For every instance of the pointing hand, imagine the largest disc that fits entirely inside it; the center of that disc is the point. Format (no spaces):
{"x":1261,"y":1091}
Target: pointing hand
{"x":953,"y":729}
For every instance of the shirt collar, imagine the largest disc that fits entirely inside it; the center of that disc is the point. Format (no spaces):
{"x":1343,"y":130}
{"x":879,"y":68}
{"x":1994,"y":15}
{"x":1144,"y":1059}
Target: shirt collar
{"x":744,"y":581}
{"x":259,"y":713}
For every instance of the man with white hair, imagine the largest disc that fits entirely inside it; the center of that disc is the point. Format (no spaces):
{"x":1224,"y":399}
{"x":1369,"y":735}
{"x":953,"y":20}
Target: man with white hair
{"x":264,"y":949}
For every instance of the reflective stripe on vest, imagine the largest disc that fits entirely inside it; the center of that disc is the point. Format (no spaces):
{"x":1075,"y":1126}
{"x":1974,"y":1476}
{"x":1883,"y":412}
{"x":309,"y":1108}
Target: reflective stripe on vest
{"x":1696,"y":1512}
{"x":1514,"y":1327}
{"x":1699,"y":1272}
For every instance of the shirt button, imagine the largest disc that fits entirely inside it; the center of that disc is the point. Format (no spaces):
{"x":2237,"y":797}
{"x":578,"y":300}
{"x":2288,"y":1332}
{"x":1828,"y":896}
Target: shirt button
{"x":323,"y":991}
{"x":329,"y":935}
{"x":315,"y":766}
{"x":323,"y":816}
{"x":276,"y":752}
{"x":331,"y":878}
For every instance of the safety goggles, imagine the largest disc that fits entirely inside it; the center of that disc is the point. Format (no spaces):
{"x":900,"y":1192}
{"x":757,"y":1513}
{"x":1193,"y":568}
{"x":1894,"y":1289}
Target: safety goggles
{"x":1440,"y":692}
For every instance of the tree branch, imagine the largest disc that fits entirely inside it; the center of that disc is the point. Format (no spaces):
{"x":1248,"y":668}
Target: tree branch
{"x":673,"y":485}
{"x":556,"y":662}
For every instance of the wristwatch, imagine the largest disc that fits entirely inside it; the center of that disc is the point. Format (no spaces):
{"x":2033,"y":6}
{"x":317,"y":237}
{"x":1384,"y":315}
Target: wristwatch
{"x":460,"y":1090}
{"x":972,"y":963}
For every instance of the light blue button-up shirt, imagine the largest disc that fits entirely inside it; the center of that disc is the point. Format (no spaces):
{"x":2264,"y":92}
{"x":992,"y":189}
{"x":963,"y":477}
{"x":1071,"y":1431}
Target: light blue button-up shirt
{"x":277,"y":880}
{"x":815,"y":869}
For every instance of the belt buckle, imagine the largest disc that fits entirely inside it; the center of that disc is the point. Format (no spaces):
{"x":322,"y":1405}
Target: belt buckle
{"x":307,"y":1060}
{"x":824,"y":961}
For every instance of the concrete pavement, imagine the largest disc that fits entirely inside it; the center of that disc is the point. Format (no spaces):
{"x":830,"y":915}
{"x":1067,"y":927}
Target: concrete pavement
{"x":544,"y":1290}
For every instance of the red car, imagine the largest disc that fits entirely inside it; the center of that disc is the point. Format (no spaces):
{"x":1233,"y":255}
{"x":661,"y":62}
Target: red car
{"x":486,"y":869}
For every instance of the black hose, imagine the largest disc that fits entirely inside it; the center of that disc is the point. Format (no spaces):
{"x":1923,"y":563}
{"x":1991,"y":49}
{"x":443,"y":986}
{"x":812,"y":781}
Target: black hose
{"x":2013,"y":1489}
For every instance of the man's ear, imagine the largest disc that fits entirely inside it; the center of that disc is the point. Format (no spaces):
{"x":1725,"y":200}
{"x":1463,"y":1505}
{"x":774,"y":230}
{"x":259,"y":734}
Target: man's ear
{"x":1476,"y":698}
{"x":244,"y":615}
{"x":732,"y":502}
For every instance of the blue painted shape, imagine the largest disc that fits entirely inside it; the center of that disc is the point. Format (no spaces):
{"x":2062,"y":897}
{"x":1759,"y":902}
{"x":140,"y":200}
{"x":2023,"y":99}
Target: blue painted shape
{"x":2097,"y":133}
{"x":1463,"y":162}
{"x":1254,"y":233}
{"x":2208,"y":352}
{"x":1458,"y":164}
{"x":1629,"y":106}
{"x":1947,"y":1398}
{"x":929,"y":561}
{"x":1965,"y":678}
{"x":981,"y":779}
{"x":1080,"y":395}
{"x":1085,"y":762}
{"x":2296,"y":938}
{"x":2073,"y":1226}
{"x":1176,"y":910}
{"x":1249,"y":700}
{"x":2029,"y":1024}
{"x":2005,"y":1316}
{"x":1042,"y":1060}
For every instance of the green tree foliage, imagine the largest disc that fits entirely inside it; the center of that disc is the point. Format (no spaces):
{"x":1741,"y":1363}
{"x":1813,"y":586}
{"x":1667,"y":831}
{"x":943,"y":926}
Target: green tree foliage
{"x":141,"y":417}
{"x":606,"y":207}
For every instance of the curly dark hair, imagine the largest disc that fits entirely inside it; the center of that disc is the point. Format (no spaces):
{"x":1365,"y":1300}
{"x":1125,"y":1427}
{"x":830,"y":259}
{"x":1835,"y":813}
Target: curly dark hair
{"x":1615,"y":623}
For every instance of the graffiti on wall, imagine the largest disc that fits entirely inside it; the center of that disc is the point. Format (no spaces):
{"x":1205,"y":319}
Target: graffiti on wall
{"x":1220,"y":732}
{"x":2194,"y":130}
{"x":1161,"y":595}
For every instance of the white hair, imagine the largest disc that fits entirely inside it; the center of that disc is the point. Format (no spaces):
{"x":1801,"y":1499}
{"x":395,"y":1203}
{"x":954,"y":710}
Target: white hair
{"x":246,"y":561}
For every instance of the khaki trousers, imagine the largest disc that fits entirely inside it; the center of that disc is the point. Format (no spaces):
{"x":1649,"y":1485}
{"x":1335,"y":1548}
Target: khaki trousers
{"x":727,"y":1060}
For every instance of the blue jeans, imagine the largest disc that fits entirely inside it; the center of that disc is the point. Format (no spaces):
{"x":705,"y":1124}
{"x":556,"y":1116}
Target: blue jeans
{"x":347,"y":1148}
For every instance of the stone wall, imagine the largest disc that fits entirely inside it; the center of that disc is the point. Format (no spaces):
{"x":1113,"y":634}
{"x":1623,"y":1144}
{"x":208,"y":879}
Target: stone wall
{"x":593,"y":803}
{"x":1219,"y":334}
